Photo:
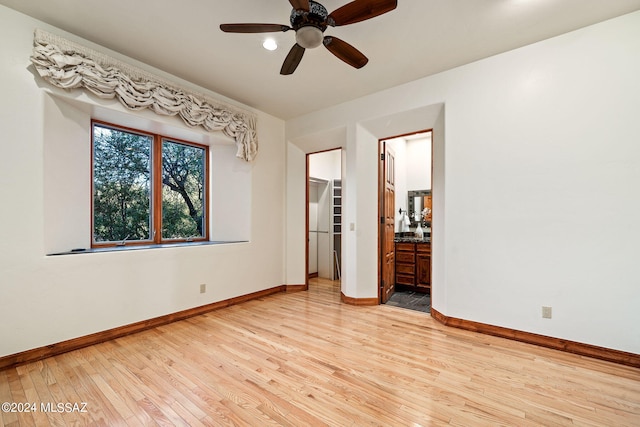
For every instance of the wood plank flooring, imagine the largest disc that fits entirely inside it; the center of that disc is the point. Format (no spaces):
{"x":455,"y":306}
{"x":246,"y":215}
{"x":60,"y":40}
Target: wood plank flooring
{"x":305,"y":359}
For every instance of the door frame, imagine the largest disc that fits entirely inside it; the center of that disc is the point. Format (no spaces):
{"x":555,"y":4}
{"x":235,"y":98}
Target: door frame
{"x":381,"y":151}
{"x":306,"y":211}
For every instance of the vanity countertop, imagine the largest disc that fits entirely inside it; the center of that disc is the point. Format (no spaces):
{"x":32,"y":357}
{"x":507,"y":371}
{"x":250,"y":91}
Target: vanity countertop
{"x":412,"y":240}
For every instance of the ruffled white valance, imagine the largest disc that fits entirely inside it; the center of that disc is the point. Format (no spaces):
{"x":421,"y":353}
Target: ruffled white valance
{"x":68,"y":65}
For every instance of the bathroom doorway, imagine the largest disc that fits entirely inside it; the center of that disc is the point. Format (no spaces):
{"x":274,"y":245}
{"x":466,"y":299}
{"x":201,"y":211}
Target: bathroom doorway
{"x":405,"y":211}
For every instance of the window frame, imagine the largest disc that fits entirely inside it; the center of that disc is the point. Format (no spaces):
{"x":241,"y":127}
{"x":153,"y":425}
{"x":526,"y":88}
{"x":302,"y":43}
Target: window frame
{"x":155,"y":188}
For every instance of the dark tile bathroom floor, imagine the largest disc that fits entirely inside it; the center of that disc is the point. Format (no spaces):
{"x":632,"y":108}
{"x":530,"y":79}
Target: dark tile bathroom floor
{"x":411,"y":300}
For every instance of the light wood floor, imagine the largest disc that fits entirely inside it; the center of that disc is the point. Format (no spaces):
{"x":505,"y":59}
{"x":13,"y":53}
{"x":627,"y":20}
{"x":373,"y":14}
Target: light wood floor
{"x":305,"y":359}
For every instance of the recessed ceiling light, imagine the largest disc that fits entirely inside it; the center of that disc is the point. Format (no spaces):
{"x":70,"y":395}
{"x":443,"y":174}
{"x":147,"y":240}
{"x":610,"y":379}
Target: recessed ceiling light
{"x":270,"y":44}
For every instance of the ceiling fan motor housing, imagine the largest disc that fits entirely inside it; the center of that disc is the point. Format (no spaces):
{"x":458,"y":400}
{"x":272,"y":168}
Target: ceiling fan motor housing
{"x":309,"y":26}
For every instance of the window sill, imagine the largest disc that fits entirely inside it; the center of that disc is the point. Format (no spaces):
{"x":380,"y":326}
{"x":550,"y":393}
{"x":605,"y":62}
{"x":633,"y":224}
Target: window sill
{"x":144,"y":247}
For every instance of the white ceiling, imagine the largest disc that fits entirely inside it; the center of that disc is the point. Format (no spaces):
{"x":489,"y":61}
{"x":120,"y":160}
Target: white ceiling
{"x":419,"y":38}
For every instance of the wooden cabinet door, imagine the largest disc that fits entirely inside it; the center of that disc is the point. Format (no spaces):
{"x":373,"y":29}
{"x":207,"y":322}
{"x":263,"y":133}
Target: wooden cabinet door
{"x":423,"y":269}
{"x":405,"y":264}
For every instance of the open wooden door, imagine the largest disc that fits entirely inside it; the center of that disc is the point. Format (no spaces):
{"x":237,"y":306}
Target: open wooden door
{"x":387,"y":245}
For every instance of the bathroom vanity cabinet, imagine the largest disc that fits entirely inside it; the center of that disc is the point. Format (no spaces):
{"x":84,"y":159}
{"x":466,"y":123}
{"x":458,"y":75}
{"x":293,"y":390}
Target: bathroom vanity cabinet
{"x":413,"y":266}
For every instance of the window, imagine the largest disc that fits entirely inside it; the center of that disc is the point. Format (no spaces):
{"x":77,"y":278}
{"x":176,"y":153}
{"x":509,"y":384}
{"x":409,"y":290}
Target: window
{"x":147,"y":188}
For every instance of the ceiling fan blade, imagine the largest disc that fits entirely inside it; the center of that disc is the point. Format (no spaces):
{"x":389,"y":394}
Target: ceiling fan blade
{"x":345,"y":52}
{"x":253,"y":28}
{"x":360,"y":10}
{"x":292,"y":60}
{"x":300,"y":4}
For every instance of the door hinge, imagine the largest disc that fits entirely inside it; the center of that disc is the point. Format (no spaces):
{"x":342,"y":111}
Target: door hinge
{"x":381,"y":156}
{"x":381,"y":220}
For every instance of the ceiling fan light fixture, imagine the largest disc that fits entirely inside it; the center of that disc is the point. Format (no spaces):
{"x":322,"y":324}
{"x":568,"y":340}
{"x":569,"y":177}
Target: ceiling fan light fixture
{"x":309,"y":37}
{"x":309,"y":19}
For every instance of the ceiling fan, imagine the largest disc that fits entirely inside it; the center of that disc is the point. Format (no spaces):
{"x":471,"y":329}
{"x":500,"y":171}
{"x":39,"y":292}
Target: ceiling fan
{"x":309,"y":19}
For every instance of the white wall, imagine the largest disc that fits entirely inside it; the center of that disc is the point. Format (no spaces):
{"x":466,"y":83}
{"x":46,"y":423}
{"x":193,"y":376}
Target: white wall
{"x":399,"y":148}
{"x":295,"y":249}
{"x":418,"y":164}
{"x":535,"y":187}
{"x":313,"y":206}
{"x":49,"y":299}
{"x":325,"y":165}
{"x":313,"y":227}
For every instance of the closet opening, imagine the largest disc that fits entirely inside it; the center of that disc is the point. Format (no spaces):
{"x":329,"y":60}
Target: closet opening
{"x":324,"y":219}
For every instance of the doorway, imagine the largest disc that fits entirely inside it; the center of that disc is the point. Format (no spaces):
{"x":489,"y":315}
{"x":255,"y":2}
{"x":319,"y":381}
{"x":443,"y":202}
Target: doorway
{"x":324,"y":216}
{"x":405,"y":211}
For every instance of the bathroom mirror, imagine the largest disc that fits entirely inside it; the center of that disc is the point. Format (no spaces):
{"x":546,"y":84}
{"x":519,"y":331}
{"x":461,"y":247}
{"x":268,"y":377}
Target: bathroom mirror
{"x":416,"y":203}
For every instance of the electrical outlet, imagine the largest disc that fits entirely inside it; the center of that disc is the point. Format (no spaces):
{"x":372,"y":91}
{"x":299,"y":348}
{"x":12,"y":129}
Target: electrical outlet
{"x":546,"y":312}
{"x":203,"y":288}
